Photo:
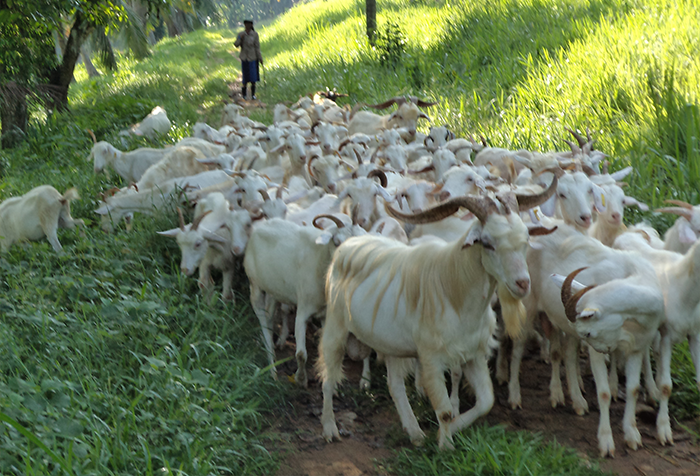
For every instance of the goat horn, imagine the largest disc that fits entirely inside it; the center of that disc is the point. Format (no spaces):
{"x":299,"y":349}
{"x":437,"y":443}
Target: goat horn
{"x":380,"y":174}
{"x":606,"y":164}
{"x":581,"y":141}
{"x":588,"y":170}
{"x":92,"y":134}
{"x":334,"y":219}
{"x":420,"y":103}
{"x":388,"y":103}
{"x":427,"y":168}
{"x":481,"y":207}
{"x":680,"y":203}
{"x":198,"y":220}
{"x":567,"y":299}
{"x":526,"y":202}
{"x":182,"y":218}
{"x":308,"y":166}
{"x":359,"y":157}
{"x":541,"y":230}
{"x":264,"y":194}
{"x":576,"y":150}
{"x":684,"y":212}
{"x":280,"y":189}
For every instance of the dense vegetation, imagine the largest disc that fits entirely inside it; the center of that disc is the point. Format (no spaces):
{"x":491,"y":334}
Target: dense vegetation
{"x":110,"y":359}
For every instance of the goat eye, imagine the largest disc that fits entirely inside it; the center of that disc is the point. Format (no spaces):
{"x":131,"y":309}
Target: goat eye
{"x":562,"y":196}
{"x":487,"y":246}
{"x":470,"y":179}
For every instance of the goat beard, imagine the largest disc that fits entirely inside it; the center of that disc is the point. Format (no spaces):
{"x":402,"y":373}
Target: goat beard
{"x":512,"y":311}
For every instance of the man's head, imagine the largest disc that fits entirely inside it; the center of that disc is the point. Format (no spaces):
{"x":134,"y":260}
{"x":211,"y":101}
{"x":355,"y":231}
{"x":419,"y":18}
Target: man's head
{"x":248,"y":24}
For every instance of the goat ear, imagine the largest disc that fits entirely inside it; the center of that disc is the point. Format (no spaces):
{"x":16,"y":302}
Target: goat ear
{"x":599,"y":199}
{"x":170,"y":233}
{"x":559,"y":281}
{"x":620,"y":174}
{"x":473,"y":236}
{"x":686,"y":234}
{"x":629,"y":201}
{"x":324,"y":239}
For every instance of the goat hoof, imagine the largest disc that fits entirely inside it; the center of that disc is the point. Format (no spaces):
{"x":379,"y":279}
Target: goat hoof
{"x":607,"y":446}
{"x":330,"y":432}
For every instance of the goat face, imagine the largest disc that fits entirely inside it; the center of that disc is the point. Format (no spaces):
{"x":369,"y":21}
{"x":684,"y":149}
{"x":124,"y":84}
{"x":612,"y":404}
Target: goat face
{"x":102,"y":154}
{"x":575,"y":196}
{"x":504,"y":240}
{"x":193,"y":247}
{"x":239,"y":224}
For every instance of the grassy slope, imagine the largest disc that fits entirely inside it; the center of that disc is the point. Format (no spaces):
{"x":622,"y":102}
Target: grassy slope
{"x":109,"y":356}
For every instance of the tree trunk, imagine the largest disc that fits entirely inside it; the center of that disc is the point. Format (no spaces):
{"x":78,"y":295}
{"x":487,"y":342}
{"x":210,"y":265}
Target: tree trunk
{"x":91,"y":70}
{"x":13,"y":114}
{"x":371,"y":13}
{"x":62,"y":75}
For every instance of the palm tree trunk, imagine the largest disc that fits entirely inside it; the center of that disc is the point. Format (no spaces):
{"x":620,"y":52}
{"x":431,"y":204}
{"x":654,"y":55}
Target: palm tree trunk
{"x":91,"y":70}
{"x":13,"y":114}
{"x":62,"y":75}
{"x":371,"y":13}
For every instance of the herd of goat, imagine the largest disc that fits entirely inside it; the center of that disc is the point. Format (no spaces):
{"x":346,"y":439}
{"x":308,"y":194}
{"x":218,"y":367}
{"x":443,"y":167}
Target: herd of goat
{"x":408,"y":244}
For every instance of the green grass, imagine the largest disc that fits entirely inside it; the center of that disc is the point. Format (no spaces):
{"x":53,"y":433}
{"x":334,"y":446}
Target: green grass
{"x":108,"y":355}
{"x":491,"y":451}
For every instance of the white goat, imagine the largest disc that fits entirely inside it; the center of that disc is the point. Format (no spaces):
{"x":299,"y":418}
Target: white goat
{"x":429,"y":301}
{"x":622,"y":313}
{"x":679,"y":275}
{"x":685,"y":231}
{"x":156,"y":122}
{"x":288,"y":263}
{"x":129,"y":165}
{"x":179,"y":162}
{"x":37,"y":214}
{"x":406,"y":115}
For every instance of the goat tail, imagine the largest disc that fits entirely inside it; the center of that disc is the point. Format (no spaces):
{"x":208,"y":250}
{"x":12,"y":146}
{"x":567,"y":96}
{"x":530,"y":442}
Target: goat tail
{"x":71,"y":194}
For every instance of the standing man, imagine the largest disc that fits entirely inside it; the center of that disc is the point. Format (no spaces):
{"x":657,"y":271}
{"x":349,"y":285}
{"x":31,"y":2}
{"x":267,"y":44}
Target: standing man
{"x":250,"y":56}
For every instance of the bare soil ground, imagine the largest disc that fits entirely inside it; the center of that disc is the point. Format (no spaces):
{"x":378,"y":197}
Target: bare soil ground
{"x":371,"y":429}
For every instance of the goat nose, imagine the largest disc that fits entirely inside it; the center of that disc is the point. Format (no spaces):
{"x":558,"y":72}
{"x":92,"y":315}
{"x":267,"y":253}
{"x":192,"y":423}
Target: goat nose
{"x":444,"y":196}
{"x":331,"y":187}
{"x":412,"y":132}
{"x":616,"y":217}
{"x":523,"y":285}
{"x":586,"y":219}
{"x":237,"y":250}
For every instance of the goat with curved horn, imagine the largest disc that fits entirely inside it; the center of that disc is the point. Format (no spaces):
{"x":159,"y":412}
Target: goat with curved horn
{"x":421,"y":103}
{"x":198,"y":220}
{"x":680,"y":203}
{"x":395,"y":100}
{"x":680,"y":211}
{"x":481,"y":207}
{"x":334,"y":219}
{"x":526,"y":202}
{"x":570,"y":301}
{"x":380,"y":174}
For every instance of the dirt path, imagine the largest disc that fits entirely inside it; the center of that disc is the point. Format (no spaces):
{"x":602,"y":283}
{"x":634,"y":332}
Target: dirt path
{"x":372,"y":430}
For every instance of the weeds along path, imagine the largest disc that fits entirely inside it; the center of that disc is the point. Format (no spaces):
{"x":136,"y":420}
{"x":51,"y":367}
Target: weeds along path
{"x":371,"y":429}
